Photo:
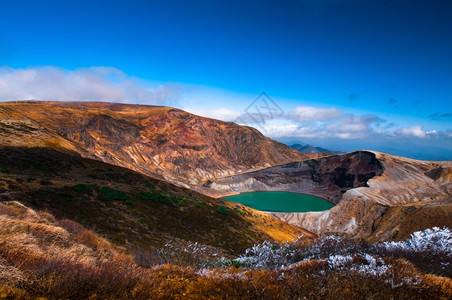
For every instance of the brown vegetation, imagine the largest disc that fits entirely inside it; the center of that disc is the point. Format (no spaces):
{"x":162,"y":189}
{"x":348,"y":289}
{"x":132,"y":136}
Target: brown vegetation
{"x":41,"y":258}
{"x":128,"y":208}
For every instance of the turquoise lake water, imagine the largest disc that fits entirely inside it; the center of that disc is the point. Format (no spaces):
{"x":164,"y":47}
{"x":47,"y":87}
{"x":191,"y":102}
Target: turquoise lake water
{"x":281,"y":201}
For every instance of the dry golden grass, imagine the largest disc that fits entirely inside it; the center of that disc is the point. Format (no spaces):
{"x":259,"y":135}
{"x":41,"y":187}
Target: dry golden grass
{"x":60,"y":259}
{"x":10,"y":275}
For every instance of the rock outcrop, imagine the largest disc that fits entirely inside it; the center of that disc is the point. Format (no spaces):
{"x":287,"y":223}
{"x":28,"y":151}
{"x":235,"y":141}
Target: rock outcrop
{"x":327,"y":177}
{"x":378,"y":196}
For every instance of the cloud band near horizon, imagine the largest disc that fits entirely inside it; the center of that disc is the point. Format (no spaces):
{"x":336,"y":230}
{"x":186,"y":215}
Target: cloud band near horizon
{"x":112,"y":85}
{"x":82,"y":84}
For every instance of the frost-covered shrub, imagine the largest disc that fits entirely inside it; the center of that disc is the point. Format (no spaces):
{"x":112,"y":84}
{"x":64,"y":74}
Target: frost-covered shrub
{"x":364,"y":264}
{"x":339,"y":261}
{"x":179,"y":253}
{"x":326,"y":246}
{"x":192,"y":254}
{"x":271,"y":256}
{"x":430,"y":250}
{"x":434,"y":241}
{"x":374,"y":267}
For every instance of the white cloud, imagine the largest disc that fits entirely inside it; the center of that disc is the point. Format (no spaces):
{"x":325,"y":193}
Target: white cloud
{"x":320,"y":123}
{"x":351,"y":126}
{"x":306,"y":114}
{"x":343,"y":126}
{"x":223,"y":114}
{"x":415,"y":131}
{"x":281,"y":130}
{"x":83,"y":84}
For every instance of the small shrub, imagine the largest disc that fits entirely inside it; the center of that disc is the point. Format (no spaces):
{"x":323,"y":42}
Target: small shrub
{"x":149,"y":257}
{"x":162,"y":197}
{"x":231,"y":263}
{"x":179,"y":201}
{"x":82,"y":188}
{"x":223,"y":210}
{"x":7,"y":292}
{"x":147,"y":196}
{"x":239,"y":211}
{"x":88,"y":238}
{"x":4,"y":169}
{"x":107,"y":194}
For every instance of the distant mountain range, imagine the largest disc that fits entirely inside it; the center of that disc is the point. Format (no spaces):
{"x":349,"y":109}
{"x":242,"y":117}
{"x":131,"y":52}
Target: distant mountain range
{"x":308,"y":149}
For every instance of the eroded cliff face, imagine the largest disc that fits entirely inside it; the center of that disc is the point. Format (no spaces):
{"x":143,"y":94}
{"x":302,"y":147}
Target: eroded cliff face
{"x":328,"y":177}
{"x":404,"y":198}
{"x":160,"y":141}
{"x":378,"y":196}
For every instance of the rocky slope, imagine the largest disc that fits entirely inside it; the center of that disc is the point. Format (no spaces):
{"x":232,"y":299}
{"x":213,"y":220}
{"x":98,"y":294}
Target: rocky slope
{"x":378,"y":196}
{"x":160,"y":141}
{"x":406,"y":197}
{"x":328,"y":177}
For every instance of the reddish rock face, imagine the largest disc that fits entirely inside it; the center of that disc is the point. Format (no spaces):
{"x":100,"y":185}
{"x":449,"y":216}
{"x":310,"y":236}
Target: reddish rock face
{"x":169,"y":143}
{"x":328,"y":177}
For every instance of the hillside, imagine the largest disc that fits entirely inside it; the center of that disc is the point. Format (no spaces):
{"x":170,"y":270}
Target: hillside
{"x":164,"y":142}
{"x":128,"y":208}
{"x":409,"y":195}
{"x":42,"y":257}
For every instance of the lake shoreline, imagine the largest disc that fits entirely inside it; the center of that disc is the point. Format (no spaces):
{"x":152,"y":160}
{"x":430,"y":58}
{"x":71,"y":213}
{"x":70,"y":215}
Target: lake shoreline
{"x":280,"y":201}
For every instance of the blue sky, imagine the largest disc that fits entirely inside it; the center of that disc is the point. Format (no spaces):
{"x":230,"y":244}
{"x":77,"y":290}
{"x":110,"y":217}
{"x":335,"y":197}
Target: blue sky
{"x":347,"y":74}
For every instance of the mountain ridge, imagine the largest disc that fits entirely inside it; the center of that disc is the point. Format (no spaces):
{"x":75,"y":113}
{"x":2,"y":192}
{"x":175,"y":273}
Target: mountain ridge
{"x":160,"y":141}
{"x":219,"y":158}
